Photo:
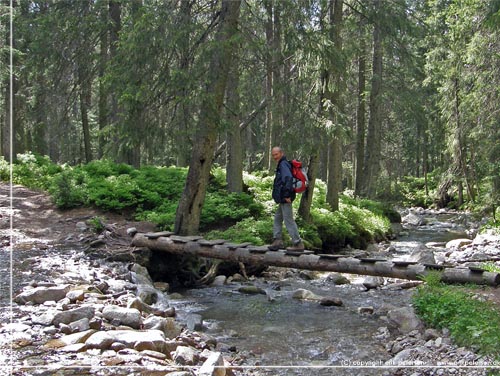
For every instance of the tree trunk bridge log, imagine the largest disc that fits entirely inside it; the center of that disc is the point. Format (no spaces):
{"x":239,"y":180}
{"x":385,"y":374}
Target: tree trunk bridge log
{"x":261,"y":256}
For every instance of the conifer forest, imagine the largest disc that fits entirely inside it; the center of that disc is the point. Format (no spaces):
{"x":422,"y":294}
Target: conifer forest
{"x":377,"y":97}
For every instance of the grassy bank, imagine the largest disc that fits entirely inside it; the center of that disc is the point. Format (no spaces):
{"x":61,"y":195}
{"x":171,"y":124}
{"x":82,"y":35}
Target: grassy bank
{"x":472,"y":321}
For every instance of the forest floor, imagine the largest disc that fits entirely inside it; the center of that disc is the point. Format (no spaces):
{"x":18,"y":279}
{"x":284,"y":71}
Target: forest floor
{"x":36,"y":219}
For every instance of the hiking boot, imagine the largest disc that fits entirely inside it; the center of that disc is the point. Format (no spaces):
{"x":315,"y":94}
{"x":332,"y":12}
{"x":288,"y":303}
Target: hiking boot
{"x":276,"y":244}
{"x":299,"y":247}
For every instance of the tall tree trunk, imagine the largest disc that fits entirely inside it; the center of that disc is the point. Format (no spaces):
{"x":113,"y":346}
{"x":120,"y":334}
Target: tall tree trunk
{"x":373,"y":145}
{"x":269,"y":85}
{"x":182,"y":132}
{"x":103,"y":94}
{"x":360,"y":112}
{"x":188,"y":214}
{"x":277,"y":81}
{"x":334,"y":179}
{"x":114,"y":33}
{"x":234,"y":166}
{"x":6,"y":124}
{"x":306,"y":200}
{"x":85,"y":95}
{"x":133,"y":136}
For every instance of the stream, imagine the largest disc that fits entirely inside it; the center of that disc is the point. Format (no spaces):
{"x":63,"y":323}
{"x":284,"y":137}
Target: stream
{"x":285,"y":336}
{"x":273,"y":333}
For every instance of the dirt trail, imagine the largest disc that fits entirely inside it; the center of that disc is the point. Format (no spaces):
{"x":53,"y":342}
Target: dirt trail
{"x":36,"y":220}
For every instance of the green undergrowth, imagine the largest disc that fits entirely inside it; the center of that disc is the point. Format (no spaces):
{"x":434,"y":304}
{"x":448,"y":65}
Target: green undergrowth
{"x":473,"y":323}
{"x":152,"y":193}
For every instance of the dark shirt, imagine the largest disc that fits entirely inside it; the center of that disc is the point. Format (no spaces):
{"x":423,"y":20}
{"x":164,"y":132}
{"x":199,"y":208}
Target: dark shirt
{"x":283,"y":182}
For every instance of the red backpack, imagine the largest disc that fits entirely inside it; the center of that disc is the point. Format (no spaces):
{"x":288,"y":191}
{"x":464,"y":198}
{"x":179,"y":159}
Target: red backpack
{"x":300,"y":180}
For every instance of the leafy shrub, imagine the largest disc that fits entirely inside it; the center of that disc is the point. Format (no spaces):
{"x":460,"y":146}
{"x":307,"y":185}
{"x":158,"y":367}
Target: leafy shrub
{"x":30,"y":170}
{"x":471,"y":322}
{"x":228,"y":207}
{"x":163,"y":215}
{"x":257,"y":232}
{"x":412,"y":191}
{"x":379,"y":208}
{"x":97,"y":224}
{"x":333,"y":227}
{"x":114,"y":192}
{"x":69,"y":189}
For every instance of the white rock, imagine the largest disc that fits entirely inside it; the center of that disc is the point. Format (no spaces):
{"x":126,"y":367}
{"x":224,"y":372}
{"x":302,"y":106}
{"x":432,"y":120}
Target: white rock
{"x":14,"y":327}
{"x":213,"y":366}
{"x":100,"y":340}
{"x":39,"y":295}
{"x":123,"y":316}
{"x":72,"y":315}
{"x":75,"y":295}
{"x":186,"y":356}
{"x":405,"y":319}
{"x":303,"y":294}
{"x":140,"y":275}
{"x":372,"y":282}
{"x":457,"y":243}
{"x":220,"y":280}
{"x":166,"y":325}
{"x":70,"y":339}
{"x":80,"y":325}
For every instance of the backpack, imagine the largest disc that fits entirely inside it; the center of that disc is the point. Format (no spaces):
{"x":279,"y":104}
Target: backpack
{"x":300,"y":180}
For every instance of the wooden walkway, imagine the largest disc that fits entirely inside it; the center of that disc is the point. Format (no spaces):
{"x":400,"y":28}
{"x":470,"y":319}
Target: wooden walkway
{"x":250,"y":254}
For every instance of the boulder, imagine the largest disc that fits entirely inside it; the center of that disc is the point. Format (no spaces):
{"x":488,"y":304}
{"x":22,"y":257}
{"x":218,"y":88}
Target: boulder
{"x":220,"y":280}
{"x":100,"y":340}
{"x":422,"y":255}
{"x":75,"y":295}
{"x":147,"y":293}
{"x":138,"y":304}
{"x":72,"y":315}
{"x":140,"y":275}
{"x":186,"y":356}
{"x":331,"y":302}
{"x":162,"y":286}
{"x":372,"y":282}
{"x":303,"y":294}
{"x":405,"y":319}
{"x":39,"y":295}
{"x":167,"y":326}
{"x":337,"y":279}
{"x":413,"y":219}
{"x":457,"y":243}
{"x":70,"y":339}
{"x":368,"y":310}
{"x":80,"y":325}
{"x":123,"y":316}
{"x":147,"y":340}
{"x":194,"y":322}
{"x":154,"y":354}
{"x":213,"y":366}
{"x":45,"y":319}
{"x":131,"y":231}
{"x":251,"y":290}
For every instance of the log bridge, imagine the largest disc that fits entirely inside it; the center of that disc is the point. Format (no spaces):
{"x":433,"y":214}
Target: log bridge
{"x":260,"y":255}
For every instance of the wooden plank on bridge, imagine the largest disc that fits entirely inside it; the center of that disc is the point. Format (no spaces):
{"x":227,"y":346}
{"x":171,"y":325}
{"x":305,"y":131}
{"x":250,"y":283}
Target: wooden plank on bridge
{"x":309,"y":261}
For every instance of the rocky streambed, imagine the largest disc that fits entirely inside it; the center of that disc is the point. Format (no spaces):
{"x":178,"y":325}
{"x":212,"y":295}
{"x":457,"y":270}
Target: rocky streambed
{"x":76,"y":312}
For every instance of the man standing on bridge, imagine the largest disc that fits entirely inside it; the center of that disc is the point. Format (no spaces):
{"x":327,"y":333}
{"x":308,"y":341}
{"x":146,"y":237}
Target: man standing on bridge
{"x":283,"y":195}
